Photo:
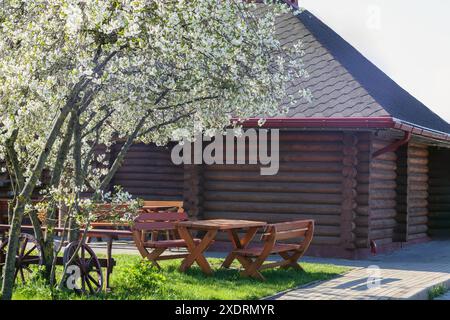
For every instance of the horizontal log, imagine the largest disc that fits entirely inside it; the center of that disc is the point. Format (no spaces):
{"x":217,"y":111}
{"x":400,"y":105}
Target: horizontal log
{"x":280,"y":177}
{"x":362,"y":199}
{"x":324,"y":220}
{"x":380,"y":144}
{"x":390,"y":156}
{"x":362,"y":188}
{"x":311,"y":156}
{"x":412,"y":237}
{"x":420,"y":195}
{"x":385,"y":185}
{"x":383,"y":175}
{"x":414,"y":229}
{"x":363,"y":167}
{"x":362,"y":211}
{"x":413,"y":187}
{"x":308,"y":146}
{"x":379,"y":194}
{"x":418,"y":152}
{"x":384,"y":165}
{"x":417,"y":178}
{"x":378,"y":234}
{"x":361,"y":220}
{"x":149,"y":161}
{"x":417,"y":203}
{"x":415,"y":212}
{"x":415,"y":221}
{"x":361,"y":232}
{"x":319,"y":167}
{"x":151,"y":169}
{"x":362,"y":243}
{"x":144,"y":176}
{"x":154,"y":191}
{"x":383,"y":213}
{"x":310,"y":198}
{"x":283,"y":187}
{"x":383,"y":223}
{"x":417,"y":161}
{"x":147,"y":155}
{"x":382,"y":204}
{"x":332,"y":241}
{"x":272,"y":207}
{"x":311,"y":136}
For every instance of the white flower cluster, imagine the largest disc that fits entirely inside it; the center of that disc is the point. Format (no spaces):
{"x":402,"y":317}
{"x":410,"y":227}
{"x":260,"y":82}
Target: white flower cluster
{"x":145,"y":68}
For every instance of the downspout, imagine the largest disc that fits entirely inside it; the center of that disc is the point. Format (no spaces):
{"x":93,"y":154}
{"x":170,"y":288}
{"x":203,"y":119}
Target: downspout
{"x":394,"y":146}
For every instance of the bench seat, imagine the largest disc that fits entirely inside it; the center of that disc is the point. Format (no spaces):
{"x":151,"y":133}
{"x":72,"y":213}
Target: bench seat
{"x":176,"y":243}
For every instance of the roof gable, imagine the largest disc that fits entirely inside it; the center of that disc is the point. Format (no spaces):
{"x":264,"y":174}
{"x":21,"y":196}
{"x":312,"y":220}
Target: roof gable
{"x":343,"y":82}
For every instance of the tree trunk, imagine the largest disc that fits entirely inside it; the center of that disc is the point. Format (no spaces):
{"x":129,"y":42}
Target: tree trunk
{"x":13,"y":244}
{"x":79,"y":178}
{"x":25,"y":195}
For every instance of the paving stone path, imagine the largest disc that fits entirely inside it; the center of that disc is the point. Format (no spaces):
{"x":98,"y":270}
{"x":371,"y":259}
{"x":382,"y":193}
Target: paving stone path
{"x":405,"y":274}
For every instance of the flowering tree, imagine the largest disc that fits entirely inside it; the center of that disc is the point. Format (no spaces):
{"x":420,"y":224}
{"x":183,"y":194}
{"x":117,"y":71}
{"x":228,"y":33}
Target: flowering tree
{"x":75,"y":74}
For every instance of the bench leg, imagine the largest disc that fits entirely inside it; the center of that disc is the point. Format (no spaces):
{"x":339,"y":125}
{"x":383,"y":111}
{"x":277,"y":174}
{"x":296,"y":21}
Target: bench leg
{"x":251,"y":267}
{"x":154,"y":255}
{"x":238,"y":244}
{"x":291,"y":260}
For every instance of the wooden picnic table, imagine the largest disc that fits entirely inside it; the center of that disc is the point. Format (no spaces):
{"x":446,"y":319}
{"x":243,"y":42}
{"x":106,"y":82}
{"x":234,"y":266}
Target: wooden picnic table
{"x":212,"y":227}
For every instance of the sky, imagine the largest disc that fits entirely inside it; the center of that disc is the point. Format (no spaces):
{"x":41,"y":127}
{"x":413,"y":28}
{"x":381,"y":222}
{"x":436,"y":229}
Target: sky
{"x":408,"y":39}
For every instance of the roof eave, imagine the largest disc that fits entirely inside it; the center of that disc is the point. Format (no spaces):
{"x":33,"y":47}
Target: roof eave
{"x":348,"y":123}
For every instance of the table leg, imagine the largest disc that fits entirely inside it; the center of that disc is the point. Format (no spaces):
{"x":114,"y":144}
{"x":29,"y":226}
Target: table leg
{"x":238,"y":244}
{"x":196,"y":252}
{"x":109,"y":263}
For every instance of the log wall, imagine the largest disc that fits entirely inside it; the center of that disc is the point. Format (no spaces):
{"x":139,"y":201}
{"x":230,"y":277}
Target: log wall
{"x":439,"y":193}
{"x":382,"y":194}
{"x":4,"y":194}
{"x":317,"y":180}
{"x":362,"y":190}
{"x":148,"y":173}
{"x":401,"y":219}
{"x":417,"y":191}
{"x":5,"y":185}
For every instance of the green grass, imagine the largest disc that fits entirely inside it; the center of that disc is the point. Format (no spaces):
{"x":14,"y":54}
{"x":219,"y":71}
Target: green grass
{"x":436,"y":291}
{"x":133,"y":279}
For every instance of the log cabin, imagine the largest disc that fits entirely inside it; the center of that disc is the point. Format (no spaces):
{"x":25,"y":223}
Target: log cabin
{"x":365,"y":159}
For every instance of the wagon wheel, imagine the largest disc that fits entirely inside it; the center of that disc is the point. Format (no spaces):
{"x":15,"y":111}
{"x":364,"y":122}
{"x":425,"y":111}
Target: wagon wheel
{"x":28,"y":253}
{"x":90,"y":270}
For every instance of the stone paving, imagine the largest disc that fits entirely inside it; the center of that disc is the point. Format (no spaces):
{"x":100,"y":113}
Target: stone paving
{"x":408,"y":273}
{"x":405,"y":274}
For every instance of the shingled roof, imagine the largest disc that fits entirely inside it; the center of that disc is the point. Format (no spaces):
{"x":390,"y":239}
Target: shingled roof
{"x":343,"y":82}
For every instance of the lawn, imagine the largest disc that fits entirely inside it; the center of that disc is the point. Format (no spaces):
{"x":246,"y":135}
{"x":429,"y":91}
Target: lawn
{"x":134,"y":279}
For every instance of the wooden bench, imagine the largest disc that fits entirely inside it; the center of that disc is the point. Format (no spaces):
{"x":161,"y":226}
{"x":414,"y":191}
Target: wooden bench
{"x":253,"y":257}
{"x":153,"y":224}
{"x":103,"y":213}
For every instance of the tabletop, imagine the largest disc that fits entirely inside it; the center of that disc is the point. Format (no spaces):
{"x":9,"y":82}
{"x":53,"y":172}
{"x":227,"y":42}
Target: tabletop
{"x":221,"y":224}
